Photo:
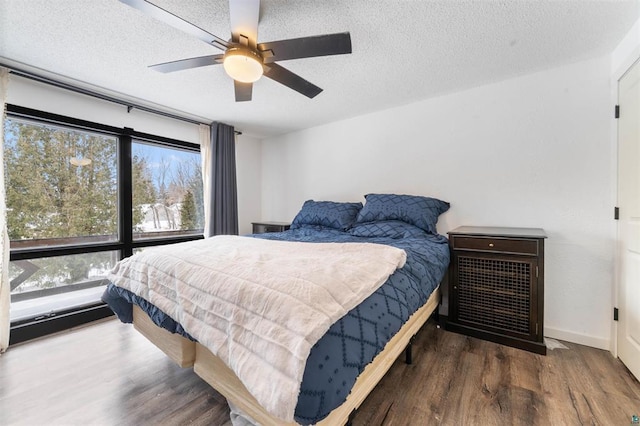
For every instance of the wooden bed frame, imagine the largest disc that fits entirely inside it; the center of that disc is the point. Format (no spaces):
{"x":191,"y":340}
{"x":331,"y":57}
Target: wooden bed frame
{"x":211,"y":369}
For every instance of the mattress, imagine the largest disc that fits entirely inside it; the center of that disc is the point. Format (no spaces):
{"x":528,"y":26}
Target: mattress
{"x":351,"y":343}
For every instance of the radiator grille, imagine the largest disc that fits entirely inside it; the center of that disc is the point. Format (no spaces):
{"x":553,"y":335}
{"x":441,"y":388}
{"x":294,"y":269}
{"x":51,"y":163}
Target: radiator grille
{"x":494,"y":292}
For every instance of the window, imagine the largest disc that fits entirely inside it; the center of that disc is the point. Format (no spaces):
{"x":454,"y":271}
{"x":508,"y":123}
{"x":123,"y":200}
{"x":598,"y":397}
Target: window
{"x":43,"y":286}
{"x":167,"y":191}
{"x":61,"y":185}
{"x":80,"y":197}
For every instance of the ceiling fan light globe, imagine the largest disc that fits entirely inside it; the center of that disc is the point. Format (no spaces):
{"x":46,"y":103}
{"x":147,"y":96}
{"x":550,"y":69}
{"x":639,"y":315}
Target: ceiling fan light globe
{"x":242,"y":65}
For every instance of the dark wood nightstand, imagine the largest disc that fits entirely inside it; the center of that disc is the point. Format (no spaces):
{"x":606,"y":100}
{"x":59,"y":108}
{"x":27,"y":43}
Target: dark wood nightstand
{"x":263,"y":227}
{"x":496,"y":287}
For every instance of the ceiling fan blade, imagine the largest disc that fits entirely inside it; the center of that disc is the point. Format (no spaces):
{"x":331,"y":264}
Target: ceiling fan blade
{"x":175,"y":21}
{"x":291,"y":80}
{"x":306,"y":47}
{"x":185,"y":64}
{"x":243,"y":17}
{"x":243,"y":91}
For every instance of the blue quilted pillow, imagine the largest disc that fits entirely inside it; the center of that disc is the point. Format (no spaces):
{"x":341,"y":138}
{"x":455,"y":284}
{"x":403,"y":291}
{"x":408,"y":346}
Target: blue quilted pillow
{"x":327,"y":213}
{"x":386,"y":228}
{"x":416,"y":210}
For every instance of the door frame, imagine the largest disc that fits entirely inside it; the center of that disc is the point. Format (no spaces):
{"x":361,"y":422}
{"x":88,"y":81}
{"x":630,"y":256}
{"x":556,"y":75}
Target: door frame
{"x":617,"y":75}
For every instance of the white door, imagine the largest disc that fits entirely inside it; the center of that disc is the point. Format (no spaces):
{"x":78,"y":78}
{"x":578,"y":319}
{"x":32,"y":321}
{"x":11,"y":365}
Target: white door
{"x":629,"y":219}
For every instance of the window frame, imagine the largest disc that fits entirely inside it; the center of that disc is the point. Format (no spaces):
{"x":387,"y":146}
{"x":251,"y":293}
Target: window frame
{"x":27,"y":329}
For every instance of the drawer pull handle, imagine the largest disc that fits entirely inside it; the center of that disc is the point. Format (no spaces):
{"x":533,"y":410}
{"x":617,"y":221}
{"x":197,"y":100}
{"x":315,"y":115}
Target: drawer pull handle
{"x":490,"y":244}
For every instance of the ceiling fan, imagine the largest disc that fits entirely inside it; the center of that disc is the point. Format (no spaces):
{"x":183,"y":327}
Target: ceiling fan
{"x":244,"y":59}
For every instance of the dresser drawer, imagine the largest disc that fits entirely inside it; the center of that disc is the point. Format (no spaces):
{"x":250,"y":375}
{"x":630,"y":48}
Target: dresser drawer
{"x":261,"y":229}
{"x":497,"y":245}
{"x":264,"y":227}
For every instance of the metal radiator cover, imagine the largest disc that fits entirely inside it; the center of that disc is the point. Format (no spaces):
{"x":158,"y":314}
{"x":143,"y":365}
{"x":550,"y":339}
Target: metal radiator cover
{"x":494,"y":293}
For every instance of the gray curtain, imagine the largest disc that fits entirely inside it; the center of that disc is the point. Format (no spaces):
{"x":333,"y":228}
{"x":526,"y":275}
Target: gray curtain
{"x":219,"y":159}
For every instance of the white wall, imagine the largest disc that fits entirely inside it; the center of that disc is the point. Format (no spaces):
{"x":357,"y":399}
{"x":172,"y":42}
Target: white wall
{"x":533,"y":151}
{"x":31,"y":94}
{"x":249,"y":170}
{"x":27,"y":93}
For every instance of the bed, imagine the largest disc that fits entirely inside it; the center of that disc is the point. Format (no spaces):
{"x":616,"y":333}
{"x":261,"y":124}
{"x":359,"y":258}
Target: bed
{"x":354,"y":350}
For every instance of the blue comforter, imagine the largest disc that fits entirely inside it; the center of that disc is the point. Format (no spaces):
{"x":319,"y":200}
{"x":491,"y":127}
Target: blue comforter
{"x":352,"y":342}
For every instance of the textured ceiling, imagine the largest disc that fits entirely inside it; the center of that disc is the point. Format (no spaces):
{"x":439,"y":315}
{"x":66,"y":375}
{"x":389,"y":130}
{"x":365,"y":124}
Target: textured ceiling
{"x":403,"y":51}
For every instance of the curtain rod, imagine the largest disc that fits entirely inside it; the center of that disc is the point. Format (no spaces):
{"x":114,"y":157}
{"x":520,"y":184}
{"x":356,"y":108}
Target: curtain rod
{"x":87,"y":92}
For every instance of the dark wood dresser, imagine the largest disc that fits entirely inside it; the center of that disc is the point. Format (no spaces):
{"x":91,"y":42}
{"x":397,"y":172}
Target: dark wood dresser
{"x":496,"y":285}
{"x":263,"y":227}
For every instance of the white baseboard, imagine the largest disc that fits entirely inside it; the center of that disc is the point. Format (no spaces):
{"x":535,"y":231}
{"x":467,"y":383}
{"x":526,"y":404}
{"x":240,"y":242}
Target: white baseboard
{"x":581,"y":339}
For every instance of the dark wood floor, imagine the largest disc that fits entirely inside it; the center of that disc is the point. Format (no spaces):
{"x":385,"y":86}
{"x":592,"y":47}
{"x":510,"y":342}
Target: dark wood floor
{"x":108,"y":374}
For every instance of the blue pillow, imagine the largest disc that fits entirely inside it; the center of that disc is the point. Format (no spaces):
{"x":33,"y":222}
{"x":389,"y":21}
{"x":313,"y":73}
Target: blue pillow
{"x":416,"y":210}
{"x":386,"y":228}
{"x":327,"y":213}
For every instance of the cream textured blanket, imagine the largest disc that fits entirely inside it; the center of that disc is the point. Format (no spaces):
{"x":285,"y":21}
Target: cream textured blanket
{"x":259,"y":305}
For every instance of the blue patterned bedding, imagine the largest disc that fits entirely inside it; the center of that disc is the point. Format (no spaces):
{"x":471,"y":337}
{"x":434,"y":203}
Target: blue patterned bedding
{"x":352,"y":342}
